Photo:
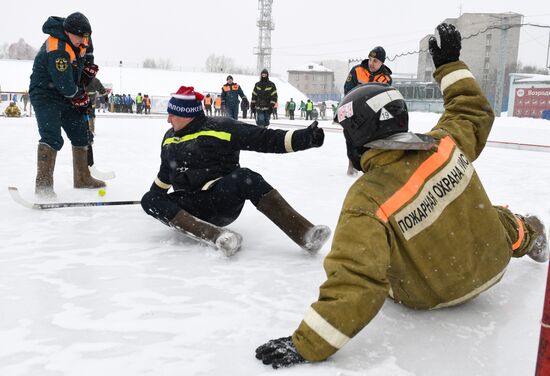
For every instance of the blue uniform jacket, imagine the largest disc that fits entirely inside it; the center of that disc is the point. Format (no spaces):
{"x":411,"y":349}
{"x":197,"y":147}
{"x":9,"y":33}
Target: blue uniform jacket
{"x":208,"y":148}
{"x":57,"y":66}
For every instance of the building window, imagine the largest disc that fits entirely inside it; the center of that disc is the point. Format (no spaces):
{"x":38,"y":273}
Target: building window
{"x":489,"y":37}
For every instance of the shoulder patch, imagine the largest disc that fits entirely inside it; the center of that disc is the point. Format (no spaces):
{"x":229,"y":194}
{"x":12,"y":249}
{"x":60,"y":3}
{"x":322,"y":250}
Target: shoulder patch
{"x":61,"y":64}
{"x":349,"y":78}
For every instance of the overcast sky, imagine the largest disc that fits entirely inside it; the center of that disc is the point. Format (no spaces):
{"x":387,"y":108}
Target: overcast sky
{"x":187,"y":32}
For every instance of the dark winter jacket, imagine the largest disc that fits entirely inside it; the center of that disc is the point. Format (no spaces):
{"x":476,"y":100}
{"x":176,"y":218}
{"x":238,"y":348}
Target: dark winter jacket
{"x":208,"y":148}
{"x":361,"y":74}
{"x":231,"y":94}
{"x":57,"y":67}
{"x":264,"y":95}
{"x":94,"y":88}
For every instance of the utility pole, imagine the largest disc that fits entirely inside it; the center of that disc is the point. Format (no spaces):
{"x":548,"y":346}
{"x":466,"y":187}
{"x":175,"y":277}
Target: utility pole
{"x":548,"y":53}
{"x":265,"y":25}
{"x":501,"y":68}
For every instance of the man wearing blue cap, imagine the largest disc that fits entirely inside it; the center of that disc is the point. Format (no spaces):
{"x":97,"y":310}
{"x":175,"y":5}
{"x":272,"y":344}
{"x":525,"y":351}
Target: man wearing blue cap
{"x":200,"y":160}
{"x":62,"y":67}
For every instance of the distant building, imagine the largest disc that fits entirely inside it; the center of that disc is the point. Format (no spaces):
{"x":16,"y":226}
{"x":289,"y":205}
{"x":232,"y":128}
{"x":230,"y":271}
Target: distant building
{"x":483,"y":51}
{"x":314,"y":80}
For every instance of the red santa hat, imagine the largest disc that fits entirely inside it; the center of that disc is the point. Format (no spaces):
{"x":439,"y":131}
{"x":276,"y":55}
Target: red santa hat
{"x":186,"y":102}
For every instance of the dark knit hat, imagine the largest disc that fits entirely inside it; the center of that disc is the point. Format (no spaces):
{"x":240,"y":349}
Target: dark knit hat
{"x":77,"y":24}
{"x":230,"y":77}
{"x":265,"y":71}
{"x":379,"y":53}
{"x":186,"y":102}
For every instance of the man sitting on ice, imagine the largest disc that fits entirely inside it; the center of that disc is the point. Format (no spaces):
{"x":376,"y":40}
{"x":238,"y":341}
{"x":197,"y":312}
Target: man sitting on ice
{"x":200,"y":160}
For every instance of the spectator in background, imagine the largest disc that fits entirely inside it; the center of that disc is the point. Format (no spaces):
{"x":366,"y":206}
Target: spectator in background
{"x":370,"y":70}
{"x":322,"y":110}
{"x":25,"y":100}
{"x":208,"y":105}
{"x":264,"y":97}
{"x":309,"y":110}
{"x":130,"y":103}
{"x":302,"y":109}
{"x":275,"y":108}
{"x":12,"y":110}
{"x":231,"y":92}
{"x":291,"y":108}
{"x":139,"y":103}
{"x":244,"y":107}
{"x":218,"y":106}
{"x":147,"y":102}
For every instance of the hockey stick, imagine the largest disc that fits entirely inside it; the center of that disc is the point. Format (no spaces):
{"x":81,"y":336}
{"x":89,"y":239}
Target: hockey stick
{"x":14,"y":193}
{"x":101,"y":175}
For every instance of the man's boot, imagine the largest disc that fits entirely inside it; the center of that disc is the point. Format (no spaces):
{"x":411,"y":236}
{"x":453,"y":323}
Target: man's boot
{"x":226,"y":241}
{"x":539,"y":247}
{"x":300,"y":230}
{"x":81,"y":172}
{"x":45,"y":166}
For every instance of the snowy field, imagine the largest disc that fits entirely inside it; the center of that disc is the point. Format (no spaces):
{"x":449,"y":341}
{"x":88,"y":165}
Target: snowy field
{"x":110,"y":291}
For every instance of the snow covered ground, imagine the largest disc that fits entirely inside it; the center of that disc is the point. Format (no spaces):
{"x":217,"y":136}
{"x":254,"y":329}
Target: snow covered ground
{"x":110,"y":291}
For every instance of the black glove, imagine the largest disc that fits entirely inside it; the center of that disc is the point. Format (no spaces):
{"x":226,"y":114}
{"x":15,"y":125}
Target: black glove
{"x":279,"y":353}
{"x":88,"y":73}
{"x":253,"y":106}
{"x":317,"y":134}
{"x":450,"y":45}
{"x":90,"y":70}
{"x":81,"y":101}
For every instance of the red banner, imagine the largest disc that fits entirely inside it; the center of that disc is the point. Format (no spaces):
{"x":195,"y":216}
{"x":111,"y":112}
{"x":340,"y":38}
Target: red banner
{"x":530,"y":102}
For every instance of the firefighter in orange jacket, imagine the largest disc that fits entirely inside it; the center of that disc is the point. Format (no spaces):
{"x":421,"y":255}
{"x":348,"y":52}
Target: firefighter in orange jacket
{"x":370,"y":70}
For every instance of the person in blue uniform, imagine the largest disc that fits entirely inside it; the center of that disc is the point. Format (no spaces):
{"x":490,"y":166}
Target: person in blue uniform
{"x":200,"y":160}
{"x":61,"y":69}
{"x":231,"y":92}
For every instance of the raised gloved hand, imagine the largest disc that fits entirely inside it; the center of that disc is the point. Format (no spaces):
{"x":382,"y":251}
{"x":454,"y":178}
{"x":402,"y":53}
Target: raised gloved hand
{"x":317,"y":134}
{"x":279,"y":353}
{"x":451,"y":44}
{"x":81,"y":101}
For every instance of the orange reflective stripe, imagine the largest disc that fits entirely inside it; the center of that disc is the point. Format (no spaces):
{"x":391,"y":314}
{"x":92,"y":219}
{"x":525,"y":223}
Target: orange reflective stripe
{"x":226,"y":88}
{"x":382,"y":78}
{"x":52,"y":44}
{"x":417,"y":180}
{"x":70,"y":52}
{"x":363,"y":75}
{"x":521,"y":234}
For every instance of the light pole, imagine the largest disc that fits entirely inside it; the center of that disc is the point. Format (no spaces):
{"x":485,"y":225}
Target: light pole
{"x":120,"y":76}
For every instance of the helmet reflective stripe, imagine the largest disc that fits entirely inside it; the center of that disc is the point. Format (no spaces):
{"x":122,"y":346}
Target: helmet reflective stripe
{"x":382,"y":99}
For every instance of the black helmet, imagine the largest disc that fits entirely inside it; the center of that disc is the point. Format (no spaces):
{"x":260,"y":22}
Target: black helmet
{"x":77,"y":24}
{"x":372,"y":111}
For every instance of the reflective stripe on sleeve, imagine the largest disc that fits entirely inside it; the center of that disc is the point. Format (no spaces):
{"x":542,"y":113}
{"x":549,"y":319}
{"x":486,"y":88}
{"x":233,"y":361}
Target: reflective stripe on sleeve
{"x":521,"y":234}
{"x":382,"y":99}
{"x":455,"y":76}
{"x":329,"y":333}
{"x":161,"y":184}
{"x":288,"y":141}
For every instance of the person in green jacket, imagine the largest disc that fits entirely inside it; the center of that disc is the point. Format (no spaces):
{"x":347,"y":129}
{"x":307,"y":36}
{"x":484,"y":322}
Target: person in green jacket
{"x":418,"y":226}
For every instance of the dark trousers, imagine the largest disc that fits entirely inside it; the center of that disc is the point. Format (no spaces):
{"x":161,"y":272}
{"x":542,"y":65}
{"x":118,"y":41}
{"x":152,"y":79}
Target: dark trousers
{"x":291,"y":114}
{"x":309,"y":115}
{"x":232,"y":111}
{"x":51,"y":117}
{"x":219,"y":205}
{"x":262,"y":118}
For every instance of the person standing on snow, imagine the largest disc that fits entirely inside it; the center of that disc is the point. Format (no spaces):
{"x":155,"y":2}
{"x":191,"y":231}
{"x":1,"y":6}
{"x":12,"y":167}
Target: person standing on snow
{"x":372,"y":69}
{"x":61,"y":68}
{"x":264,"y":97}
{"x":231,"y":92}
{"x":200,"y":160}
{"x":417,"y":226}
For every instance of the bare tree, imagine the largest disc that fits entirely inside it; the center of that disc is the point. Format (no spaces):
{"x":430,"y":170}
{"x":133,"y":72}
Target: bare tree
{"x":149,"y":63}
{"x":530,"y":69}
{"x":20,"y":50}
{"x":216,"y":63}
